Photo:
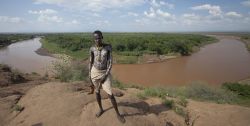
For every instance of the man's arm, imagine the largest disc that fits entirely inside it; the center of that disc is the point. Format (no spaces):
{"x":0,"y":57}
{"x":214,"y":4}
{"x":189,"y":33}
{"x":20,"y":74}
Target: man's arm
{"x":91,"y":61}
{"x":110,"y":60}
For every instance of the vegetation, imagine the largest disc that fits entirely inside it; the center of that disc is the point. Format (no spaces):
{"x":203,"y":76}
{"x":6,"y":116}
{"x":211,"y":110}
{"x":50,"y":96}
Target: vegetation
{"x":127,"y":45}
{"x":232,"y":93}
{"x":17,"y":107}
{"x":241,"y":90}
{"x":246,"y":39}
{"x":66,"y":70}
{"x":7,"y":39}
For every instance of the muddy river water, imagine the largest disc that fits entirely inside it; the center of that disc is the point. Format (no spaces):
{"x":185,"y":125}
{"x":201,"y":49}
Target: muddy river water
{"x":22,"y":56}
{"x":223,"y":61}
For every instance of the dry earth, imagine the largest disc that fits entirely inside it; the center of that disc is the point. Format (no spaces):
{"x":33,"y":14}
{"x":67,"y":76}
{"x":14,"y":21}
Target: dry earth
{"x":68,"y":104}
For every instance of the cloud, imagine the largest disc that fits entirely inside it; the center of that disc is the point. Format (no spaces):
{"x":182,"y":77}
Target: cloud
{"x":132,"y":14}
{"x":7,"y":19}
{"x":152,"y":13}
{"x":190,"y":19}
{"x":246,"y":3}
{"x":163,"y":14}
{"x":47,"y":16}
{"x":46,"y":11}
{"x":212,"y":9}
{"x":92,"y":5}
{"x":154,"y":3}
{"x":233,"y":14}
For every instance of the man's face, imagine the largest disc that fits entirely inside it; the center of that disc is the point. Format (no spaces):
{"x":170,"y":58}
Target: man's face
{"x":98,"y":39}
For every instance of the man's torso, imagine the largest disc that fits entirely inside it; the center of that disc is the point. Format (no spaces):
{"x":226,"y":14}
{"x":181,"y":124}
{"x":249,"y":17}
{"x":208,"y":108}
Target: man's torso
{"x":101,"y":56}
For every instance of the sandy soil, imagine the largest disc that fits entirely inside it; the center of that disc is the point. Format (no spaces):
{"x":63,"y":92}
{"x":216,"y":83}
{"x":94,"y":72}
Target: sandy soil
{"x":68,"y":104}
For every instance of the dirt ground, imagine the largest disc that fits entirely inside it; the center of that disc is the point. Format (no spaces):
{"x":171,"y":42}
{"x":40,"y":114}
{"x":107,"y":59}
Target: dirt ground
{"x":68,"y":104}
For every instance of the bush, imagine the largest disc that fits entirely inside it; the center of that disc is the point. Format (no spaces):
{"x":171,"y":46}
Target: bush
{"x":66,"y":71}
{"x":243,"y":90}
{"x":168,"y":103}
{"x":155,"y":92}
{"x":204,"y":92}
{"x":118,"y":84}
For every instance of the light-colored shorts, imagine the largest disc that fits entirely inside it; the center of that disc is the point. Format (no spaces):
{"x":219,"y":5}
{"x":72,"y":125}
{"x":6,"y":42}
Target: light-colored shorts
{"x":95,"y":77}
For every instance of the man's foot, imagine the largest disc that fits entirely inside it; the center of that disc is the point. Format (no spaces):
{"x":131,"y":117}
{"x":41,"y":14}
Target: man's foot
{"x":121,"y":118}
{"x":99,"y":113}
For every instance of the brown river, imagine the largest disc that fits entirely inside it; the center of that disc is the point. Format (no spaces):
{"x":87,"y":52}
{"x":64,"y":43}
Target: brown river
{"x":22,"y":56}
{"x":224,"y":61}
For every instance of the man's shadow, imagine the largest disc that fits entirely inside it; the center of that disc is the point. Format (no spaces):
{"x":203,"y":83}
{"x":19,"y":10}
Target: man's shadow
{"x":142,"y":107}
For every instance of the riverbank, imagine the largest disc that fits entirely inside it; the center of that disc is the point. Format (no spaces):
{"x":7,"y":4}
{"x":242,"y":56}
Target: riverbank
{"x":7,"y":39}
{"x":44,"y":52}
{"x":246,"y":40}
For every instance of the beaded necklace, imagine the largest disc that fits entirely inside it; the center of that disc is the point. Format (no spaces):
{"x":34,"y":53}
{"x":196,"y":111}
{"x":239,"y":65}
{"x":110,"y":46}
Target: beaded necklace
{"x":99,"y":48}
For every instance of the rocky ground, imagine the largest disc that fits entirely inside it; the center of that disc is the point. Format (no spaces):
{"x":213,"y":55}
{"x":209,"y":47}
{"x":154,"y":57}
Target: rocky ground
{"x":68,"y":104}
{"x":32,"y":100}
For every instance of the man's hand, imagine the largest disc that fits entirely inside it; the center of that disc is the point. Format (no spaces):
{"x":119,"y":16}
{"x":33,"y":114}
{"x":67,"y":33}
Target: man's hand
{"x":103,"y":78}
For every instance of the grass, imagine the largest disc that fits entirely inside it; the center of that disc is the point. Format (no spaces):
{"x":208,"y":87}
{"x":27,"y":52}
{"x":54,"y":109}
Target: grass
{"x":168,"y":103}
{"x":182,"y":101}
{"x":196,"y":91}
{"x":18,"y":108}
{"x":118,"y":84}
{"x":125,"y":59}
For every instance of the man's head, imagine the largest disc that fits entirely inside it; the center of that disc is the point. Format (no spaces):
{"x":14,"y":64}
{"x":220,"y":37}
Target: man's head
{"x":97,"y":35}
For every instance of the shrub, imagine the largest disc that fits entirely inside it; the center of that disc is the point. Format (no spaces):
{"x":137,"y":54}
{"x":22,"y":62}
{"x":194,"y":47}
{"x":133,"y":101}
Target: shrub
{"x":204,"y":92}
{"x":243,"y":90}
{"x":168,"y":103}
{"x":66,"y":71}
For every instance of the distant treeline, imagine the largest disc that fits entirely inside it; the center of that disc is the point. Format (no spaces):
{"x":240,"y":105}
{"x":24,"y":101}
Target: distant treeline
{"x":7,"y":39}
{"x":133,"y":44}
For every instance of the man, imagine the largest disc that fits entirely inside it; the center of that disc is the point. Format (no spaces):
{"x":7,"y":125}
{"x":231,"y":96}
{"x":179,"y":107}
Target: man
{"x":99,"y":72}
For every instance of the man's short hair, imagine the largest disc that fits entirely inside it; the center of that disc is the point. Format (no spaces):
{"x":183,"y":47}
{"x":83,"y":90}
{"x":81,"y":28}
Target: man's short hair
{"x":98,"y":32}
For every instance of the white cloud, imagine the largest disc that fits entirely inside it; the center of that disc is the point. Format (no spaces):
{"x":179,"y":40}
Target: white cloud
{"x":92,"y":5}
{"x":7,"y":19}
{"x":212,"y":9}
{"x":151,"y":13}
{"x":132,"y":14}
{"x":163,"y":14}
{"x":190,"y":19}
{"x":47,"y":19}
{"x":47,"y":16}
{"x":246,"y":3}
{"x":96,"y":15}
{"x":233,"y":14}
{"x":46,"y":11}
{"x":154,"y":3}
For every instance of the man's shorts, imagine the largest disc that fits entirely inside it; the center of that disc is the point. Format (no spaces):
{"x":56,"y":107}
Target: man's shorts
{"x":95,"y":77}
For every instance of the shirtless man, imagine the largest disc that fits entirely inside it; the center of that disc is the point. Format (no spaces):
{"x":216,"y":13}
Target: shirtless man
{"x":99,"y":72}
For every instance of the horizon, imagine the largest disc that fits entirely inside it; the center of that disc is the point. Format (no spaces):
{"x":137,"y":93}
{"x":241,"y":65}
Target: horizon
{"x":168,"y":16}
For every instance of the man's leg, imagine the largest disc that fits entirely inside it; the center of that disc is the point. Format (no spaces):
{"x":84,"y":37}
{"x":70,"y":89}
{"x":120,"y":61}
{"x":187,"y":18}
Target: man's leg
{"x":99,"y":101}
{"x":114,"y":103}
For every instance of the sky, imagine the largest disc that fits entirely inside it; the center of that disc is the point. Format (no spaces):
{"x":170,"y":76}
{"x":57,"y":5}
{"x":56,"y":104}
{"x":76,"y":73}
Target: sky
{"x":124,"y":15}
